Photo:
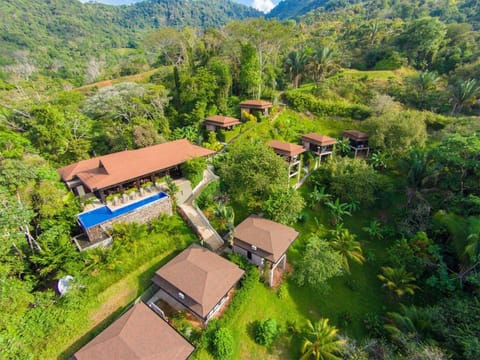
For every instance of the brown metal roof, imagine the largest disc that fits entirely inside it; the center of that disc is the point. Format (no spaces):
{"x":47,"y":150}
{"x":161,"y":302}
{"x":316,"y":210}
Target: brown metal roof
{"x":319,"y":139}
{"x":355,"y":135}
{"x":201,"y":275}
{"x":286,"y":148}
{"x":267,"y":235}
{"x":137,"y":334}
{"x":109,"y":170}
{"x":256,"y":104}
{"x":223,"y":121}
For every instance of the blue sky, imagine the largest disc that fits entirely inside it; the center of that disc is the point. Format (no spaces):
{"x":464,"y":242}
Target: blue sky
{"x":262,"y":5}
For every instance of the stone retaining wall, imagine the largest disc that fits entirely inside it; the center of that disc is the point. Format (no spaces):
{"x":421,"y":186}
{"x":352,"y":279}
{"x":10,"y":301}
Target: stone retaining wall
{"x":141,"y":215}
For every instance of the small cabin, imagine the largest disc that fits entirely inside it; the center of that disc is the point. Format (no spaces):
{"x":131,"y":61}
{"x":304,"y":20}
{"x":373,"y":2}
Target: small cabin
{"x":358,"y":142}
{"x":264,"y":243}
{"x":291,"y":153}
{"x":320,"y":145}
{"x":255,"y":106}
{"x":218,"y":122}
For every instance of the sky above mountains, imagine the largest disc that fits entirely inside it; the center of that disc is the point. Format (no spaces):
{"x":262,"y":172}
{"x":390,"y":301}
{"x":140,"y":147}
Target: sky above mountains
{"x":262,"y":5}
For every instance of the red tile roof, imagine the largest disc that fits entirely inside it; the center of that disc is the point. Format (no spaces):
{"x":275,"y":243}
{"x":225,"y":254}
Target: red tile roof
{"x":355,"y":135}
{"x":256,"y":104}
{"x":137,"y":334}
{"x":108,"y":170}
{"x":266,"y":235}
{"x":319,"y":139}
{"x":223,"y":121}
{"x":201,"y":275}
{"x":286,"y":148}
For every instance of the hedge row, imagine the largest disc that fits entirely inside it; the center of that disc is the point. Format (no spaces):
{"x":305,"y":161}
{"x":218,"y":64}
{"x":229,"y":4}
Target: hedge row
{"x":301,"y":101}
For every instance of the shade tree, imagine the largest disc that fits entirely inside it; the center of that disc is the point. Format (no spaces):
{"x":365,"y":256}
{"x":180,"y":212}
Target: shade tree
{"x":319,"y":263}
{"x":250,"y":172}
{"x":396,"y":131}
{"x":348,"y":179}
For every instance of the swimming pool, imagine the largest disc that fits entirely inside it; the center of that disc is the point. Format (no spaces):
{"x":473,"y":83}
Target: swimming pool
{"x":99,"y":215}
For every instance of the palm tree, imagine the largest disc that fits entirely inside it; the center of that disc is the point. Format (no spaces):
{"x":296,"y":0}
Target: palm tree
{"x":398,"y":281}
{"x":338,"y":210}
{"x":172,"y":190}
{"x":343,"y":146}
{"x":464,"y":93}
{"x":323,"y":63}
{"x":295,"y":63}
{"x":317,"y":195}
{"x":374,"y":229}
{"x":226,"y":216}
{"x":420,"y":174}
{"x":423,"y":83}
{"x":472,"y":250}
{"x":408,"y":326}
{"x":348,"y":247}
{"x":322,"y":342}
{"x":379,"y":160}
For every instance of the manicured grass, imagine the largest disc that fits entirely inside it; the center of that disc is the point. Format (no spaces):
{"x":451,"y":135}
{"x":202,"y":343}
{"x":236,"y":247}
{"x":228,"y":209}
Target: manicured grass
{"x":109,"y":291}
{"x":378,"y":74}
{"x":350,"y":298}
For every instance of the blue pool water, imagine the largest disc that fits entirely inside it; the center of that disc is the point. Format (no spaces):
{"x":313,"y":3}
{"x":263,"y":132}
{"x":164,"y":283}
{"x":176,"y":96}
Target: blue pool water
{"x":102,"y":214}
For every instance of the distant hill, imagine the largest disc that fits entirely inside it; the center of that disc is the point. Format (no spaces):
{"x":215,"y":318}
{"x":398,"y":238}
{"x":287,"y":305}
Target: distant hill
{"x":263,"y":5}
{"x":53,"y":34}
{"x":462,"y":11}
{"x":112,"y":2}
{"x":290,"y":9}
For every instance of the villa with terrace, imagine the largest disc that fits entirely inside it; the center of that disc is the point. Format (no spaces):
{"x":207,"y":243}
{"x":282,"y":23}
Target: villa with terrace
{"x":138,"y":334}
{"x":124,"y":175}
{"x":290,"y":153}
{"x":198,"y":281}
{"x":255,"y":106}
{"x":117,"y":172}
{"x":219,"y":122}
{"x":358,"y":142}
{"x":264,"y":242}
{"x":320,"y":145}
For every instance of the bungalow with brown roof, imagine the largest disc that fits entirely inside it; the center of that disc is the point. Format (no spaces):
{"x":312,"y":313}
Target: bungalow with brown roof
{"x":291,"y":153}
{"x":264,"y":242}
{"x":216,"y":122}
{"x":358,"y":141}
{"x":138,"y":334}
{"x":197,"y":280}
{"x":251,"y":106}
{"x":320,"y":145}
{"x":130,"y":168}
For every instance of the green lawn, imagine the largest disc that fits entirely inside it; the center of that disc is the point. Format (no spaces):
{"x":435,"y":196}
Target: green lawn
{"x":350,"y":299}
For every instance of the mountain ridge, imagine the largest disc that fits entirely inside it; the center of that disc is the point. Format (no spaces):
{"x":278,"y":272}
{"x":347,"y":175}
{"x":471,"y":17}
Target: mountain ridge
{"x":50,"y":35}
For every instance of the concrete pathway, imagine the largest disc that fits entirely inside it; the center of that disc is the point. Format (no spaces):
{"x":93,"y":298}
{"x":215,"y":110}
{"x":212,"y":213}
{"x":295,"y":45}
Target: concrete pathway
{"x":302,"y":180}
{"x":197,"y":219}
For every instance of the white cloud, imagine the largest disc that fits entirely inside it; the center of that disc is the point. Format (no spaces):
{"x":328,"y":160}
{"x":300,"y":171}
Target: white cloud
{"x":263,"y":5}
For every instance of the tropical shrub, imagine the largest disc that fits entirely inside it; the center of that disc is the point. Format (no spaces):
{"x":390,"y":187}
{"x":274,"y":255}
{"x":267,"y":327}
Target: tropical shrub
{"x":265,"y":331}
{"x":223,"y":344}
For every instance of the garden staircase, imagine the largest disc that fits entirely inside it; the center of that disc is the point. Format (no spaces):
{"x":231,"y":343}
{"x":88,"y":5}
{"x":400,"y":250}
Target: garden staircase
{"x":195,"y":217}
